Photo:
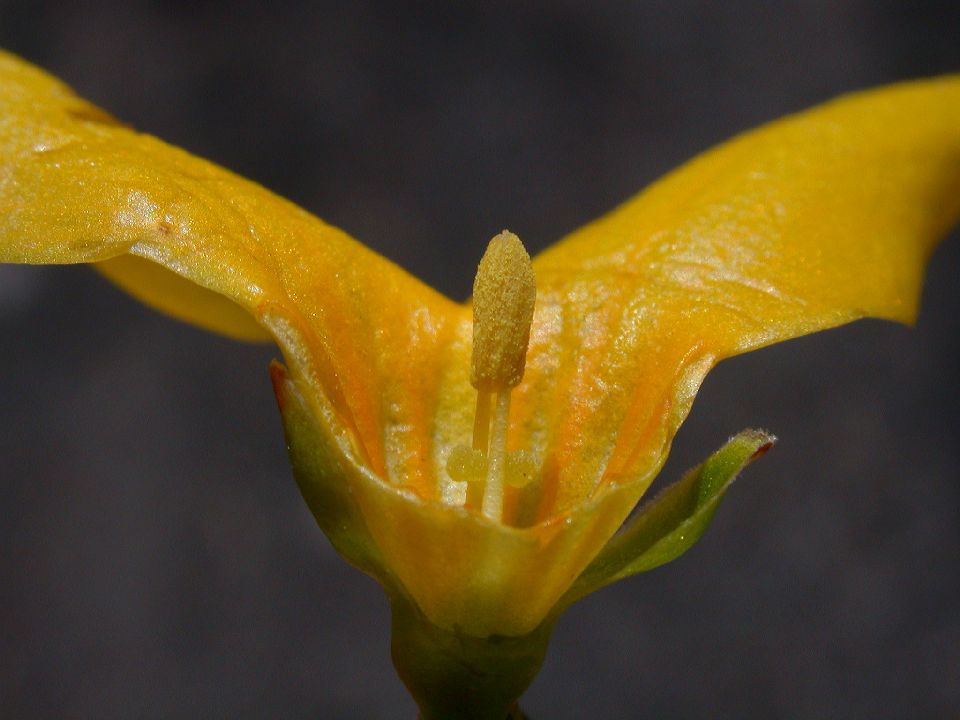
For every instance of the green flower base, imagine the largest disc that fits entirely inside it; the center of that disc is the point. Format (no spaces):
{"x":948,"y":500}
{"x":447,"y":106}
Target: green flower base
{"x":458,"y":677}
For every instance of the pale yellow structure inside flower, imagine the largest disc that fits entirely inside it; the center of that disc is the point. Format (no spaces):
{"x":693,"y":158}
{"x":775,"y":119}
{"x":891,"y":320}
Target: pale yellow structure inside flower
{"x":504,"y":294}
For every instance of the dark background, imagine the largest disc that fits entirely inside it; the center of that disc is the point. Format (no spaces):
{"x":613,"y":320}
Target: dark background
{"x":155,"y":557}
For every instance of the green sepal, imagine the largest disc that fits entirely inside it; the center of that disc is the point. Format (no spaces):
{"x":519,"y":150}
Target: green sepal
{"x":671,"y":523}
{"x":323,"y":475}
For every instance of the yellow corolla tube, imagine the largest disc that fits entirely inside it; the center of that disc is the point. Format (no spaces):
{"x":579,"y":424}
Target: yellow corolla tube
{"x":485,"y":499}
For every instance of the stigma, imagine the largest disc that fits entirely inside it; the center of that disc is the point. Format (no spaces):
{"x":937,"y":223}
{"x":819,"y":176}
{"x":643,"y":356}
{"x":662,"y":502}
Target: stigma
{"x":504,"y":294}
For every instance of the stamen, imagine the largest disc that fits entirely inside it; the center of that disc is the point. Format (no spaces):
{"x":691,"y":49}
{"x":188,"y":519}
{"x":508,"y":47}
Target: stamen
{"x":504,"y":293}
{"x":466,"y":465}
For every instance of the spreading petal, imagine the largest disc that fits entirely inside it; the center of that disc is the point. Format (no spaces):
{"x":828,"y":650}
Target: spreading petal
{"x":806,"y":223}
{"x":77,"y":186}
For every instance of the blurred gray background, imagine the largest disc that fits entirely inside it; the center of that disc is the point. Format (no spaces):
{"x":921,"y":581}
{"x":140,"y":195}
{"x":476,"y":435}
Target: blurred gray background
{"x":155,"y":557}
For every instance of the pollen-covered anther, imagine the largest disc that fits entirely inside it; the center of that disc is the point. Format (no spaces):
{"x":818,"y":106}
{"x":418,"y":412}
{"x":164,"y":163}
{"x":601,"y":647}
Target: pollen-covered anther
{"x":504,"y":293}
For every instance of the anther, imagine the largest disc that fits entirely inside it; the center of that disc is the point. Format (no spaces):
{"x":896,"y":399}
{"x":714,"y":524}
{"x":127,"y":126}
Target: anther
{"x":504,"y":292}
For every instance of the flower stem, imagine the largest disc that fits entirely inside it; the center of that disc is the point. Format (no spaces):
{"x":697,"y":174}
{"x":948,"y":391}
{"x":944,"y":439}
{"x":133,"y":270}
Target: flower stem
{"x":453,"y":676}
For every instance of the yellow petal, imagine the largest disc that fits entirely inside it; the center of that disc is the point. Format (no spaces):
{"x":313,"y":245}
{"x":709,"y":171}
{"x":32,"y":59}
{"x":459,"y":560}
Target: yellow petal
{"x":76,"y":186}
{"x":806,"y":223}
{"x":161,"y":289}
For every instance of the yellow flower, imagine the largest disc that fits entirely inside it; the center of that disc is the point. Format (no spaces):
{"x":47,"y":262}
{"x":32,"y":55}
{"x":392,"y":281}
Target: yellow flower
{"x":807,"y":223}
